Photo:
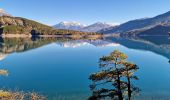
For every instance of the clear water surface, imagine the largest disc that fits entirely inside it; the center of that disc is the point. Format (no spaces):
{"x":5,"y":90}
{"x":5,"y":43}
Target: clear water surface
{"x":60,"y":69}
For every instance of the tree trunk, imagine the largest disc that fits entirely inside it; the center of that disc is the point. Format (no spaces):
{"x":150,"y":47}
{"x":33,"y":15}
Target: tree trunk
{"x":119,"y":88}
{"x":118,"y":82}
{"x":129,"y":89}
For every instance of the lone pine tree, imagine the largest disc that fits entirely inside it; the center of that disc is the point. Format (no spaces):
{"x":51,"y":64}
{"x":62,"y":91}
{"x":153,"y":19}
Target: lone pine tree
{"x":114,"y":79}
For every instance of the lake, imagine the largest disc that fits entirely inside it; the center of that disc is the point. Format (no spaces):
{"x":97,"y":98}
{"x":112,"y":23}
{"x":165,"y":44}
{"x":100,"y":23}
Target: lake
{"x":59,"y":68}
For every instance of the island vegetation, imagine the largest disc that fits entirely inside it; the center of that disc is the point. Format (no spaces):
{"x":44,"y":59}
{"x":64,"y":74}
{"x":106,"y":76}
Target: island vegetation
{"x":17,"y":95}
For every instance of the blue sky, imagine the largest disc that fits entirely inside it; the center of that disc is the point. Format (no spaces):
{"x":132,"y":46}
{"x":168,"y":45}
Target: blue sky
{"x":85,"y":11}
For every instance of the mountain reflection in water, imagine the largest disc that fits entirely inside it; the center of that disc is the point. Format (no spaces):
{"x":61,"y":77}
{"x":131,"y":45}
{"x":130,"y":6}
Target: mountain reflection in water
{"x":65,"y":53}
{"x":159,"y":45}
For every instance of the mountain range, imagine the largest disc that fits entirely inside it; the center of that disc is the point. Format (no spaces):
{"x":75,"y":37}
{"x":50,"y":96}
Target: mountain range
{"x":17,"y":26}
{"x":69,"y":25}
{"x":158,"y":23}
{"x":81,"y":27}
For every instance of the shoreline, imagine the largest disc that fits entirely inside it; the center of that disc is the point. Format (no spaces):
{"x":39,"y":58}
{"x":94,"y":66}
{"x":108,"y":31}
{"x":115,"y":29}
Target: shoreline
{"x":54,"y":36}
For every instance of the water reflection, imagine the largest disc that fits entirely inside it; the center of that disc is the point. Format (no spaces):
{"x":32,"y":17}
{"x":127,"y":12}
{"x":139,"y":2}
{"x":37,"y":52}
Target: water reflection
{"x":56,"y":55}
{"x":78,"y":43}
{"x":10,"y":45}
{"x":159,"y":45}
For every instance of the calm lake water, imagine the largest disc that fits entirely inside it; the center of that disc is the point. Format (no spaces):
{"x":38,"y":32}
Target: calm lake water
{"x":59,"y":68}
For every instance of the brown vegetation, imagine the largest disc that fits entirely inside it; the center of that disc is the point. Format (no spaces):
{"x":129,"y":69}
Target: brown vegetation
{"x":9,"y":95}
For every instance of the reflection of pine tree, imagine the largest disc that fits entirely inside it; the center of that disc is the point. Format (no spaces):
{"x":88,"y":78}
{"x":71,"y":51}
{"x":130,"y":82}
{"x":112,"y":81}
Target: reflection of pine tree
{"x":117,"y":72}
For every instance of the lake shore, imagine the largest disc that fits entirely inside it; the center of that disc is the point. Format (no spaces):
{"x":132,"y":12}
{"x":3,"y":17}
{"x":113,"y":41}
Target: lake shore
{"x":57,"y":36}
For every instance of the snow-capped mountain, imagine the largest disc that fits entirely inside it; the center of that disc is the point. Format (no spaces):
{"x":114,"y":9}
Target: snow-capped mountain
{"x":4,"y":13}
{"x":81,"y":27}
{"x":69,"y":25}
{"x":96,"y":27}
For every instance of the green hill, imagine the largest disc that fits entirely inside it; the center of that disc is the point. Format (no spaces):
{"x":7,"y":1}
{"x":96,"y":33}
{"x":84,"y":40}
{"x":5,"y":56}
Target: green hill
{"x":18,"y":25}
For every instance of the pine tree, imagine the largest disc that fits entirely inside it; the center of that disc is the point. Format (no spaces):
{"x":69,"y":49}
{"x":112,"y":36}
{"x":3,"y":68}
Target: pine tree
{"x":114,"y":70}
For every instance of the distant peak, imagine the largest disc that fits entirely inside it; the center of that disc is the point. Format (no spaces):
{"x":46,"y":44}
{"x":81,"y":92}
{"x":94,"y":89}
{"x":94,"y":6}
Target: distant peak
{"x":105,"y":23}
{"x":100,"y":23}
{"x":4,"y":13}
{"x":167,"y":14}
{"x":2,"y":10}
{"x":113,"y":24}
{"x":73,"y":23}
